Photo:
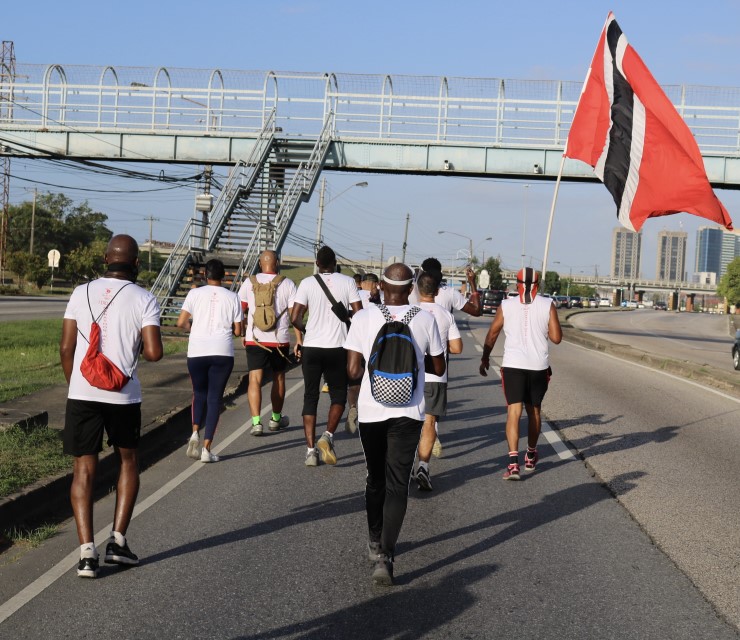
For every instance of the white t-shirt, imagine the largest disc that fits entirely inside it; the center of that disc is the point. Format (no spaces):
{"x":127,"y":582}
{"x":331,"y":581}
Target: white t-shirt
{"x":447,"y":331}
{"x":284,"y":297}
{"x":324,"y":329}
{"x":120,"y":334}
{"x":365,"y":326}
{"x":447,"y":298}
{"x":525,"y":328}
{"x":214,"y":310}
{"x":364,"y":298}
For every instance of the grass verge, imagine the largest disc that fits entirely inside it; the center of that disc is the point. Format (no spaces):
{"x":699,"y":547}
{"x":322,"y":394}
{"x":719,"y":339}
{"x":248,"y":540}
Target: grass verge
{"x":28,"y":456}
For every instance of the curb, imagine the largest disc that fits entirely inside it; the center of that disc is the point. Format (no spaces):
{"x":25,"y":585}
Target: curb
{"x":48,"y":499}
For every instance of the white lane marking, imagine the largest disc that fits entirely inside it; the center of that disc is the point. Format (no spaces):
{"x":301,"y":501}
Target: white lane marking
{"x":470,"y":334}
{"x":24,"y":596}
{"x":663,"y":373}
{"x":478,"y":348}
{"x":549,"y":434}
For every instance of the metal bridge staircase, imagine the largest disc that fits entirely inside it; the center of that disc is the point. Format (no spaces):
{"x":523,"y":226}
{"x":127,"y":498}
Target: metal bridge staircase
{"x":253,"y":212}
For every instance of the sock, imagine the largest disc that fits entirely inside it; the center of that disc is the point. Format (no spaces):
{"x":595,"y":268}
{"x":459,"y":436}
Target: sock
{"x":514,"y":457}
{"x":194,"y":436}
{"x":276,"y":417}
{"x":119,"y":538}
{"x":88,"y":550}
{"x":329,"y":435}
{"x":424,"y":465}
{"x":531,"y":451}
{"x":310,"y":450}
{"x":255,"y":420}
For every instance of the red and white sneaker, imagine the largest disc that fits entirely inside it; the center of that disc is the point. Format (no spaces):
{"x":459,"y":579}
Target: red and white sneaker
{"x":512,"y":472}
{"x":530,"y":463}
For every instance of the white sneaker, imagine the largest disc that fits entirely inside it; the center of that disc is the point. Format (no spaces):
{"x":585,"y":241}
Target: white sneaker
{"x":276,"y":425}
{"x":194,"y":446}
{"x":207,"y":456}
{"x":351,"y":425}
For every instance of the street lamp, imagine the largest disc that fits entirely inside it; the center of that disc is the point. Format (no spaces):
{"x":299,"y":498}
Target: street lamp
{"x":470,"y":241}
{"x":322,"y":204}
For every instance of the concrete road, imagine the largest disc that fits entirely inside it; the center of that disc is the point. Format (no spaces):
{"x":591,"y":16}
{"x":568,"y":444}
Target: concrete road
{"x":30,"y":307}
{"x":259,"y":546}
{"x":702,"y":338}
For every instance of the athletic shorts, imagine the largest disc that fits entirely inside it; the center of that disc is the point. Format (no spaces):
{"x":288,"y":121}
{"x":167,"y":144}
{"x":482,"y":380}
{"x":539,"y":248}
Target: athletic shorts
{"x":85,"y":421}
{"x":435,"y":397}
{"x":260,"y":358}
{"x":524,"y":385}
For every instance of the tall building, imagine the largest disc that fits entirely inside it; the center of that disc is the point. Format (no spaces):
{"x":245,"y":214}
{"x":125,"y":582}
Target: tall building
{"x":715,"y":249}
{"x":671,"y":255}
{"x":626,"y":252}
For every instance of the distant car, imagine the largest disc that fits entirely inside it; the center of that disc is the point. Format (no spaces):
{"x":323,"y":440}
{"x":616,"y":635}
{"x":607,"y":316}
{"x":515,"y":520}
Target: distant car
{"x":593,"y":302}
{"x":575,"y":301}
{"x":560,"y":301}
{"x":660,"y":306}
{"x":736,"y":351}
{"x":605,"y":302}
{"x":491,"y":300}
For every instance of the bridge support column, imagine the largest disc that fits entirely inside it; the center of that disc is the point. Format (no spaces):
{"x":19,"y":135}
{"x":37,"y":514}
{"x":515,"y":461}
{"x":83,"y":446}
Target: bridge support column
{"x":690,"y":301}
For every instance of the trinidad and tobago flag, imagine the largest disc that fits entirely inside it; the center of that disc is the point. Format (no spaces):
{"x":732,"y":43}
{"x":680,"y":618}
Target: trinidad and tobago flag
{"x":626,"y":128}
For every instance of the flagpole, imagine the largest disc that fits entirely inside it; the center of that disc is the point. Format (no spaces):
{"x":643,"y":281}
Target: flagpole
{"x":552,"y":215}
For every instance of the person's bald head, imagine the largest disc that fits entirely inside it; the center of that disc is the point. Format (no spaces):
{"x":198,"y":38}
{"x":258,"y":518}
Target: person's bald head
{"x":268,"y":261}
{"x":399,"y":293}
{"x":122,"y":249}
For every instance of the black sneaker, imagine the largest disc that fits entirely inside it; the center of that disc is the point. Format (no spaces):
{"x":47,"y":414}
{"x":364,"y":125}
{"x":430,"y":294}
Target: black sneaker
{"x":117,"y":554}
{"x":383,"y":571}
{"x":87,"y":568}
{"x":423,"y":479}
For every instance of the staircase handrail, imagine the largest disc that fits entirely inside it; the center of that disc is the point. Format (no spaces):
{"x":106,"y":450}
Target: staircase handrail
{"x":300,"y":187}
{"x":239,"y":180}
{"x":170,"y":274}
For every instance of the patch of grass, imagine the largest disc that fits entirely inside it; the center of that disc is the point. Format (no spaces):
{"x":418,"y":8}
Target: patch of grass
{"x":32,"y":537}
{"x":28,"y":456}
{"x":29,"y":357}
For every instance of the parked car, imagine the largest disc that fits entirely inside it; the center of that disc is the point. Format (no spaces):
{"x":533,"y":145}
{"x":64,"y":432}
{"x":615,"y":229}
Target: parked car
{"x":736,"y":351}
{"x":605,"y":302}
{"x":575,"y":301}
{"x":491,"y":300}
{"x":560,"y":301}
{"x":660,"y":306}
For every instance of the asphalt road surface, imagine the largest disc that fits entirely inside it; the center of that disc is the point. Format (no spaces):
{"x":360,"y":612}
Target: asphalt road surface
{"x":30,"y":307}
{"x":702,"y":338}
{"x":259,"y":546}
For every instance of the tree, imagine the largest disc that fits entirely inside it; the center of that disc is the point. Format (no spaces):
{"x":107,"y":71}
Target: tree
{"x":552,"y":282}
{"x":58,"y":224}
{"x":85,"y":262}
{"x":729,"y":285}
{"x":493,"y":266}
{"x":18,"y":263}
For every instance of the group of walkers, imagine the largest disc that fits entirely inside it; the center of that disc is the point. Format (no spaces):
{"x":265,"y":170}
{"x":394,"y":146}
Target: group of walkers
{"x":370,"y":342}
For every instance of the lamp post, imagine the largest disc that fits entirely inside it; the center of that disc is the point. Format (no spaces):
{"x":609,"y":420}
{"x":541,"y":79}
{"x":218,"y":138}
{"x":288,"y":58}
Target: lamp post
{"x":322,"y":204}
{"x":524,"y":226}
{"x":470,"y":242}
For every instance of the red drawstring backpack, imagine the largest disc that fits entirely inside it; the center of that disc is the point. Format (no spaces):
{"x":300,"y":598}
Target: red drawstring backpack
{"x":98,"y":370}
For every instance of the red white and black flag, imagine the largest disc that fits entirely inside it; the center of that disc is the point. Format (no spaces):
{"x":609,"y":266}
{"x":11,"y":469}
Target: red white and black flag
{"x":626,"y":128}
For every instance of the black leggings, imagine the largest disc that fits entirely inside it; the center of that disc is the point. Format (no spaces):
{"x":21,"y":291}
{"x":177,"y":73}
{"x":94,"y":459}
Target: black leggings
{"x":209,"y":375}
{"x":389,"y":455}
{"x":332,"y":364}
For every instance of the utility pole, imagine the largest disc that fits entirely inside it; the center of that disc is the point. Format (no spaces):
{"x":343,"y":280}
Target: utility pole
{"x":151,"y":240}
{"x":405,"y":238}
{"x":33,"y":220}
{"x":7,"y":82}
{"x":320,"y":219}
{"x":380,"y":266}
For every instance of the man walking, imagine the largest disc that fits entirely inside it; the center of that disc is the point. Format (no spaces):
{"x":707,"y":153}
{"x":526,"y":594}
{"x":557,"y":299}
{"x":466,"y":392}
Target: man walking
{"x":268,"y":348}
{"x":390,"y":433}
{"x":449,"y":298}
{"x":435,"y":387}
{"x":528,"y":322}
{"x":325,"y":296}
{"x":128,"y":318}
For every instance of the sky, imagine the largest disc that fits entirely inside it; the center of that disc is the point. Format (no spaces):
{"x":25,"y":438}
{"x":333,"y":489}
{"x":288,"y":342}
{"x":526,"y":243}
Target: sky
{"x":681,"y":43}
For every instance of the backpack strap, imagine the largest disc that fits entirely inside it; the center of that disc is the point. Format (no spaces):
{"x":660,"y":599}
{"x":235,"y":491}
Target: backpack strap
{"x":410,"y":314}
{"x":89,"y":306}
{"x":332,"y":299}
{"x":385,"y":312}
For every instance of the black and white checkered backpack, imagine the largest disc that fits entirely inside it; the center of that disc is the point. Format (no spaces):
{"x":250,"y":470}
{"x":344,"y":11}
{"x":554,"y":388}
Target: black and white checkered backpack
{"x":392,"y":367}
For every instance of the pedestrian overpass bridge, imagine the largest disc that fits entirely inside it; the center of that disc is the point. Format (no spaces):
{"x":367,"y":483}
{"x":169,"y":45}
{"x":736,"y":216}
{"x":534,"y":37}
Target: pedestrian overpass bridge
{"x":277,"y":131}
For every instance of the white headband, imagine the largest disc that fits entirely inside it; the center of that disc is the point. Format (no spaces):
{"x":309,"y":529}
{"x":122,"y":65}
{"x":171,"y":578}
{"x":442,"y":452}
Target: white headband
{"x":398,"y":282}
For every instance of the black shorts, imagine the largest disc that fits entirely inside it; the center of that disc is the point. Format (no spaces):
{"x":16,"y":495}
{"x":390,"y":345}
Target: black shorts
{"x":261,"y":358}
{"x":435,"y":398}
{"x":524,"y":385}
{"x":85,"y":421}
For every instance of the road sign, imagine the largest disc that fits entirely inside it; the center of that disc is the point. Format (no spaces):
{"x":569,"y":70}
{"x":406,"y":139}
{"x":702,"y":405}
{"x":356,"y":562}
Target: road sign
{"x":484,"y":279}
{"x":53,"y":256}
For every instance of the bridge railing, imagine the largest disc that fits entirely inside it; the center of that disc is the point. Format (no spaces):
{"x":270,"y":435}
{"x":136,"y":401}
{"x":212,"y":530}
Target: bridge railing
{"x":476,"y":111}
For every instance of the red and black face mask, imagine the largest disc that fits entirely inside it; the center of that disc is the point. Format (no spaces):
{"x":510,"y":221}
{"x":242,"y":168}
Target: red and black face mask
{"x":527,"y":282}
